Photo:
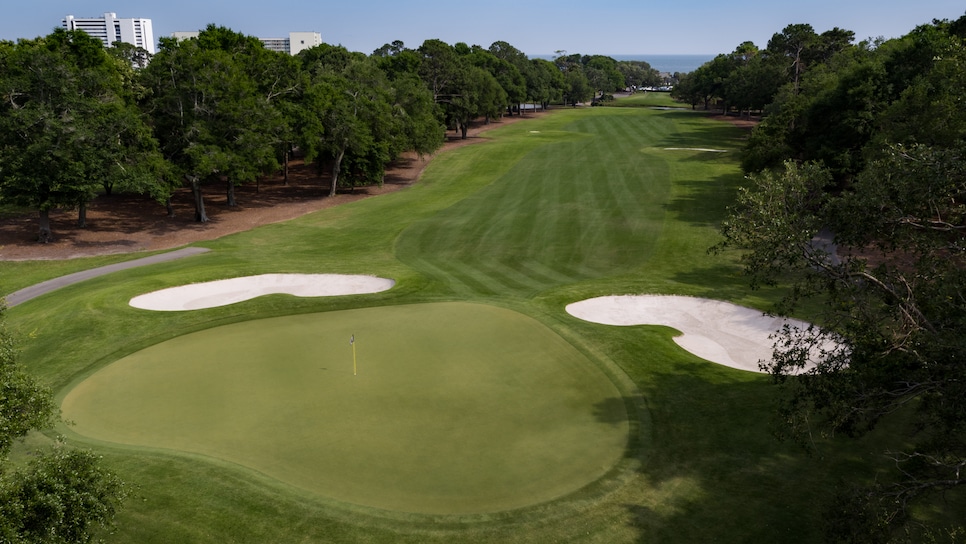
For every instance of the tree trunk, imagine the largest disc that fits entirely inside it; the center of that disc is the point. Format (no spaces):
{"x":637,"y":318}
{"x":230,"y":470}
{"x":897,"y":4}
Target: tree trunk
{"x":199,"y":198}
{"x":168,"y":206}
{"x":231,"y":194}
{"x":82,"y":216}
{"x":463,"y":129}
{"x":336,"y":169}
{"x":285,"y":167}
{"x":45,"y":234}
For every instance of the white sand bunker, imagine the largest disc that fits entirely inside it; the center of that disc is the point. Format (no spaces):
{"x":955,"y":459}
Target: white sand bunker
{"x":210,"y":294}
{"x":720,"y":332}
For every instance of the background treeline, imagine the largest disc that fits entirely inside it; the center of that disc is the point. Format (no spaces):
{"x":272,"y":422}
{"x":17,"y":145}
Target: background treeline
{"x":862,"y":145}
{"x":78,"y":120}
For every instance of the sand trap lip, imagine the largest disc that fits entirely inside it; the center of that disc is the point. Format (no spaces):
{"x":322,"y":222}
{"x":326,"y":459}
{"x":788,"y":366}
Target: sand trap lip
{"x":720,"y":332}
{"x":197,"y":296}
{"x":703,"y":149}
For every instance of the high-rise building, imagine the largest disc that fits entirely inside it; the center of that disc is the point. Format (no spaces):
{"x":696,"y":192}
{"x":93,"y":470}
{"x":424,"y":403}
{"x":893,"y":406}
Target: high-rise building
{"x":110,"y":29}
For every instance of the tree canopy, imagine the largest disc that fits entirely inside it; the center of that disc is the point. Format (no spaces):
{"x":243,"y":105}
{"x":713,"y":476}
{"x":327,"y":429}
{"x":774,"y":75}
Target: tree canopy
{"x":871,"y":155}
{"x":68,"y":125}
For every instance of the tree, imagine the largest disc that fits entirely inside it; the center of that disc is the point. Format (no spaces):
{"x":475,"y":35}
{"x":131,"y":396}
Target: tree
{"x":68,"y":126}
{"x":687,"y":90}
{"x":512,"y":85}
{"x":793,"y":44}
{"x":213,"y":118}
{"x":638,"y":74}
{"x":62,"y":495}
{"x":894,"y":304}
{"x":474,"y":92}
{"x":417,"y":116}
{"x":522,"y":65}
{"x":133,"y":55}
{"x":351,"y":96}
{"x":546,"y":83}
{"x":893,"y":292}
{"x":438,"y":66}
{"x":928,"y":108}
{"x":576,"y":87}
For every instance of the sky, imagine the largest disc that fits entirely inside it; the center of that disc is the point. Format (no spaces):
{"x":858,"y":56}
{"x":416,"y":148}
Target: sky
{"x":536,"y":27}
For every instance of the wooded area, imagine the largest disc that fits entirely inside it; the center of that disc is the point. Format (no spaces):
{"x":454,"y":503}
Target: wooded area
{"x":862,"y":143}
{"x":81,"y":120}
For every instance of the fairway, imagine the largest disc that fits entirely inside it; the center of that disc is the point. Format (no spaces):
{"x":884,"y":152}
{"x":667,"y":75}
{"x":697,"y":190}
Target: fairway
{"x":457,"y":408}
{"x":466,"y":422}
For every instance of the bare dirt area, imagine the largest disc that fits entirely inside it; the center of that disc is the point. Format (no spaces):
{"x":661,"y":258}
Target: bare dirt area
{"x":128,"y":223}
{"x":739,"y":121}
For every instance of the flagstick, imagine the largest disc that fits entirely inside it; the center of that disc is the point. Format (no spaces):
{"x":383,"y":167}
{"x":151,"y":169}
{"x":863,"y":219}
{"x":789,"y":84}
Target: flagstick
{"x":352,"y":342}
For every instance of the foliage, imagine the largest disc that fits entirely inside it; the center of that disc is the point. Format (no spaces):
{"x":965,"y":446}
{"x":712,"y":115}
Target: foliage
{"x":356,"y":112}
{"x":68,"y":125}
{"x":62,"y":495}
{"x":24,"y":404}
{"x":894,"y":304}
{"x":872,"y":139}
{"x":213,"y":116}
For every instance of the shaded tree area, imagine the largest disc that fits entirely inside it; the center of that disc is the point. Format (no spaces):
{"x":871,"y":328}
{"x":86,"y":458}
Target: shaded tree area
{"x":867,"y":142}
{"x":69,"y":126}
{"x":213,"y":122}
{"x":352,"y":102}
{"x":80,"y":120}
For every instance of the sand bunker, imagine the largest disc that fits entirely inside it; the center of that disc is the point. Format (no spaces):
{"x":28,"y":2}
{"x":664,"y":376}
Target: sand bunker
{"x":720,"y":332}
{"x":210,"y":294}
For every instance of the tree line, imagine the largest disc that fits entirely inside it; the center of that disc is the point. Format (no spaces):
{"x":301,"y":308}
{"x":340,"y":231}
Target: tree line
{"x":78,"y":120}
{"x":862,"y":145}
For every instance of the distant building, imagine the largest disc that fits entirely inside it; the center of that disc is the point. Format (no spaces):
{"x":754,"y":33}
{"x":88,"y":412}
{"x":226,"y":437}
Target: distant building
{"x":110,"y":29}
{"x":296,"y":41}
{"x":185,"y":35}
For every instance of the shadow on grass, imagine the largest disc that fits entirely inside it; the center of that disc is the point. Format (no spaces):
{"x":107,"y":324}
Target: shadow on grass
{"x":722,"y":281}
{"x":713,"y":469}
{"x":700,"y":132}
{"x":703,"y":202}
{"x":612,"y":411}
{"x":717,"y":470}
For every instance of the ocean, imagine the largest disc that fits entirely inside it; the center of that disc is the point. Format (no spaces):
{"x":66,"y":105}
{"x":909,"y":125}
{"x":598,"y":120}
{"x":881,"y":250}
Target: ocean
{"x":670,"y":63}
{"x":662,"y":63}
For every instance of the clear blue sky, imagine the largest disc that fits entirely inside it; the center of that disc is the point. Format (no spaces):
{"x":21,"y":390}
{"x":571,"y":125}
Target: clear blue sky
{"x":537,"y":27}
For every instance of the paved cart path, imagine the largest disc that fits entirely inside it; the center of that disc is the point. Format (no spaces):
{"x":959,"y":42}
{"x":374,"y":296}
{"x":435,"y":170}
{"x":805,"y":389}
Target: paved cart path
{"x":43,"y":288}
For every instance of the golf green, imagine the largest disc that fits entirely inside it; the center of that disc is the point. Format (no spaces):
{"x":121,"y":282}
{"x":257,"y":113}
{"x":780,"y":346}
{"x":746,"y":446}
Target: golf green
{"x":455,"y":408}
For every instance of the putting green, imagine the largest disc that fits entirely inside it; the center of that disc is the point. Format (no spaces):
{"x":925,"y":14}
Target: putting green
{"x":457,"y":408}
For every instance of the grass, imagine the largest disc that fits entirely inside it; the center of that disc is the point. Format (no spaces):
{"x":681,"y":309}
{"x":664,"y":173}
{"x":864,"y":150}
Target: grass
{"x":575,"y":204}
{"x":459,"y":408}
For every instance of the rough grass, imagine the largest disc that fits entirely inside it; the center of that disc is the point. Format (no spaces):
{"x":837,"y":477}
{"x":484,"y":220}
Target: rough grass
{"x":579,"y":203}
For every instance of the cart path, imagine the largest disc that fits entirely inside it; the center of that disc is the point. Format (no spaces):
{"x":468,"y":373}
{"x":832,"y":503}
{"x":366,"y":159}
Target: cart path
{"x":43,"y":288}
